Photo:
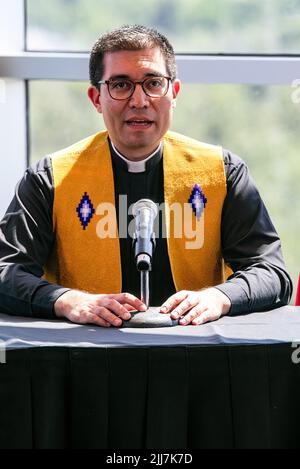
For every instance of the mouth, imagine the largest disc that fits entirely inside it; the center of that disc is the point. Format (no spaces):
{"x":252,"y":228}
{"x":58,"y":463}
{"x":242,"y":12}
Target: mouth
{"x":139,"y":123}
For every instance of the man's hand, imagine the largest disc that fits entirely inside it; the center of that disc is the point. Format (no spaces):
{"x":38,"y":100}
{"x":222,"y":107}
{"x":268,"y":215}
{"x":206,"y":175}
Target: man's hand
{"x":197,"y":307}
{"x":102,"y":310}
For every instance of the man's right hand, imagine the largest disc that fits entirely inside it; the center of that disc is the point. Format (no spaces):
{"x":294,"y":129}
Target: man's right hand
{"x":102,"y":310}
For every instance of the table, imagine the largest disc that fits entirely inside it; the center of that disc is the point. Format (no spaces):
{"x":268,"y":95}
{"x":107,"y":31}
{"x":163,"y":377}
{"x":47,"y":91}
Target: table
{"x":233,"y":383}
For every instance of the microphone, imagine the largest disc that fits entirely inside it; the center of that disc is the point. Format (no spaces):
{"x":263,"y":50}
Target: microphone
{"x":144,"y":212}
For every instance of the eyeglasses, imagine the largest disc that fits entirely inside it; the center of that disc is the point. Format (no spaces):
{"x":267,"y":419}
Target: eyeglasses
{"x":154,"y":87}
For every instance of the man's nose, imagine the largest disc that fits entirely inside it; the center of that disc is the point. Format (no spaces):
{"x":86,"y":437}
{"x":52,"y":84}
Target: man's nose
{"x":139,"y":98}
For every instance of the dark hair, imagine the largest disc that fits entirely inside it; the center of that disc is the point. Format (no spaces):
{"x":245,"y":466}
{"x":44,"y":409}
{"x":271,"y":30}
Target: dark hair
{"x":128,"y":37}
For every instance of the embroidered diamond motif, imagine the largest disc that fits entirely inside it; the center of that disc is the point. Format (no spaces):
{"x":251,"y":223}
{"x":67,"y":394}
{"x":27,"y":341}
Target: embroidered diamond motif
{"x":198,"y":201}
{"x":85,"y":210}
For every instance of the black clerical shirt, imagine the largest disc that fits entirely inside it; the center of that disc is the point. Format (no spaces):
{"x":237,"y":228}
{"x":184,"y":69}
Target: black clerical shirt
{"x":140,"y":185}
{"x":250,"y":244}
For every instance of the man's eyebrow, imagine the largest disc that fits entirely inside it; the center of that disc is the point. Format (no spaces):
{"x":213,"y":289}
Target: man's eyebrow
{"x":127,"y":77}
{"x":118,"y":77}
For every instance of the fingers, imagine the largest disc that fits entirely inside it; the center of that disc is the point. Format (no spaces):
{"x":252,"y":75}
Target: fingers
{"x":191,"y":307}
{"x":111,"y":311}
{"x":111,"y":315}
{"x":185,"y":306}
{"x":173,"y":301}
{"x":197,"y":315}
{"x":200,"y":314}
{"x":114,"y":308}
{"x":129,"y":299}
{"x":102,"y":310}
{"x":85,"y":317}
{"x":118,"y":305}
{"x":206,"y":316}
{"x":129,"y":307}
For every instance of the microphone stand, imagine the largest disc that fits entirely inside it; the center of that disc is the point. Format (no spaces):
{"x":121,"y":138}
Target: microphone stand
{"x":151,"y":317}
{"x":144,"y":266}
{"x":145,"y":287}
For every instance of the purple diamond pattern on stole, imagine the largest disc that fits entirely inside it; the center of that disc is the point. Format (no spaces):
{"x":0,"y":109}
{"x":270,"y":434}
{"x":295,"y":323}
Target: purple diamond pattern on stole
{"x":85,"y":210}
{"x":198,"y":201}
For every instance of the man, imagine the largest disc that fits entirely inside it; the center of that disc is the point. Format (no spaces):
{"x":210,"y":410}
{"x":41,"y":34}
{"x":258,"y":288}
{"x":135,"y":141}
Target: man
{"x":54,"y":225}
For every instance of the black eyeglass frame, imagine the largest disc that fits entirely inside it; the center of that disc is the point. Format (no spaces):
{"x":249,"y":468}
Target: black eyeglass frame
{"x":134,"y":83}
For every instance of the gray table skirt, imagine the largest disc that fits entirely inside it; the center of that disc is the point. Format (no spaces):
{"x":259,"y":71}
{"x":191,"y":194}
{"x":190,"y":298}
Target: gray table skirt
{"x":281,"y":325}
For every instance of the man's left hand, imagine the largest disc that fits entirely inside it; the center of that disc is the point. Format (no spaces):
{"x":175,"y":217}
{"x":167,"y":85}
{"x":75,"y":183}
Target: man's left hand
{"x":197,"y":307}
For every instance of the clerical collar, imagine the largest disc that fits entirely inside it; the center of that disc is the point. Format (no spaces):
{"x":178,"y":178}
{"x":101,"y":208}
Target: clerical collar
{"x":139,"y":166}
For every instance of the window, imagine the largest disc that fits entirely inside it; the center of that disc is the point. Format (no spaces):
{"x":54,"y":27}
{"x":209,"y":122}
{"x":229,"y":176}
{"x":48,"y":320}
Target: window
{"x":232,"y":26}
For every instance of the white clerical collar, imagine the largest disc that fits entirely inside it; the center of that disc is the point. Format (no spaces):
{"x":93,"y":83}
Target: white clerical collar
{"x":136,"y":166}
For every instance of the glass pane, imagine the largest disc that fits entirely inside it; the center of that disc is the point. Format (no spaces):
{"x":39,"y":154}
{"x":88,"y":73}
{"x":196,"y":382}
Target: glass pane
{"x":60,"y":113}
{"x":269,"y":26}
{"x":259,"y":123}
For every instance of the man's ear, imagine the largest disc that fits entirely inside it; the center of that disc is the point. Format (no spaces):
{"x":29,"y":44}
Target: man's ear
{"x":95,"y":97}
{"x":176,"y":89}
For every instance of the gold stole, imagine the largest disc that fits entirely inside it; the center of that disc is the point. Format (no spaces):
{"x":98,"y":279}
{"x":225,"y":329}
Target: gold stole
{"x":83,"y":180}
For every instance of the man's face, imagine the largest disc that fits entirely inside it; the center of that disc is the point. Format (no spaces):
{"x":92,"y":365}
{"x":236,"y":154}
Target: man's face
{"x":135,"y":125}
